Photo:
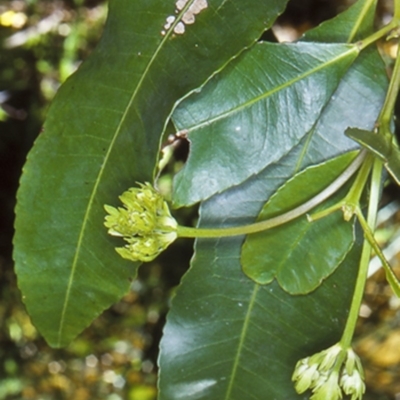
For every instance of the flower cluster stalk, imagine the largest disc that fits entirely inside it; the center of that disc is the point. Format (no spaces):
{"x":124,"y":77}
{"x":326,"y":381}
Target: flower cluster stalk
{"x":365,"y":255}
{"x":386,"y":115}
{"x":146,"y":224}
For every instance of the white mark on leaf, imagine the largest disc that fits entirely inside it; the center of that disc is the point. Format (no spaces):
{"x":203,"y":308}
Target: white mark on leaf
{"x":188,"y":16}
{"x":180,"y":4}
{"x":170,"y":21}
{"x":194,"y":9}
{"x":179,"y":28}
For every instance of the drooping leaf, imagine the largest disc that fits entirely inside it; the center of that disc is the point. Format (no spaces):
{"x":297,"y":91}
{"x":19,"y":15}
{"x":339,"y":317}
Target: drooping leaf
{"x":101,"y":135}
{"x":254,"y":112}
{"x":300,"y":254}
{"x":383,"y":147}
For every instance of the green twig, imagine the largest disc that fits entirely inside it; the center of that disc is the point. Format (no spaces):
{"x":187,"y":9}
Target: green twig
{"x":396,"y":10}
{"x":362,"y":44}
{"x":390,"y":275}
{"x":365,"y":255}
{"x":350,"y":203}
{"x":184,"y":231}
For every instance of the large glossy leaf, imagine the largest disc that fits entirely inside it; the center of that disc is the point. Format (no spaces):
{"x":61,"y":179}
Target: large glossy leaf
{"x":223,"y":125}
{"x":229,"y":338}
{"x":357,"y":93}
{"x":300,"y":254}
{"x":255,"y":112}
{"x":102,"y":134}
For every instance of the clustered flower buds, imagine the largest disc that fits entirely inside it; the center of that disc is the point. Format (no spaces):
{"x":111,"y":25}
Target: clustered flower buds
{"x":145,"y":223}
{"x":329,"y":374}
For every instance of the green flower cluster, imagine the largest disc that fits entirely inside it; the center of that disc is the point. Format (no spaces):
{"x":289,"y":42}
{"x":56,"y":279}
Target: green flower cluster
{"x":145,"y":223}
{"x":329,"y":374}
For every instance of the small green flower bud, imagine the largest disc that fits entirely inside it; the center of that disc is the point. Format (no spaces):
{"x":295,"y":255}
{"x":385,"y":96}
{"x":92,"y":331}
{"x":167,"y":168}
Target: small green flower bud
{"x":144,"y":222}
{"x":353,"y":362}
{"x":312,"y":372}
{"x":329,"y":374}
{"x":353,"y":385}
{"x":305,"y":375}
{"x":352,"y":379}
{"x":328,"y":388}
{"x":329,"y":357}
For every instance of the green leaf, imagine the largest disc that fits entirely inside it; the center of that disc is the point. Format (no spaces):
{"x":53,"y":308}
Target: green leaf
{"x":354,"y":87}
{"x":254,"y":113}
{"x":352,"y":24}
{"x":300,"y":254}
{"x":356,"y":95}
{"x":102,"y":134}
{"x":383,"y":147}
{"x":229,"y":338}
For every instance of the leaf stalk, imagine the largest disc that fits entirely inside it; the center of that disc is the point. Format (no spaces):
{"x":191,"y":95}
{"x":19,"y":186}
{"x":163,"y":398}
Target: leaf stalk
{"x":189,"y":232}
{"x":392,"y":25}
{"x":351,"y":202}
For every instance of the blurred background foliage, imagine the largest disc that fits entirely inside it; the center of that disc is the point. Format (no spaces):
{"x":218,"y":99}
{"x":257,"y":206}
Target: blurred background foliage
{"x":41,"y":43}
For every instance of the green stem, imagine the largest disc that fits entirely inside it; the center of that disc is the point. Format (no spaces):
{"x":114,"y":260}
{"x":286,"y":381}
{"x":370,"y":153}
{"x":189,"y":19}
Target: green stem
{"x":352,"y":199}
{"x":348,"y":333}
{"x":368,"y":226}
{"x":396,"y":10}
{"x":386,"y":114}
{"x":350,"y":203}
{"x":362,"y":44}
{"x":390,"y":275}
{"x":184,"y":231}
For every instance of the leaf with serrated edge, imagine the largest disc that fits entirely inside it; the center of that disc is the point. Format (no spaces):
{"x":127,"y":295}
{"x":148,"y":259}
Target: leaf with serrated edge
{"x":101,"y":135}
{"x":300,"y":254}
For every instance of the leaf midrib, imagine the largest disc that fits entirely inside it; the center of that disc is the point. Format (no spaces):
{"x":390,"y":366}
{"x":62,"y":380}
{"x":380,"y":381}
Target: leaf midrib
{"x":103,"y":167}
{"x":364,"y":11}
{"x":249,"y":103}
{"x":357,"y":23}
{"x":241,"y":342}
